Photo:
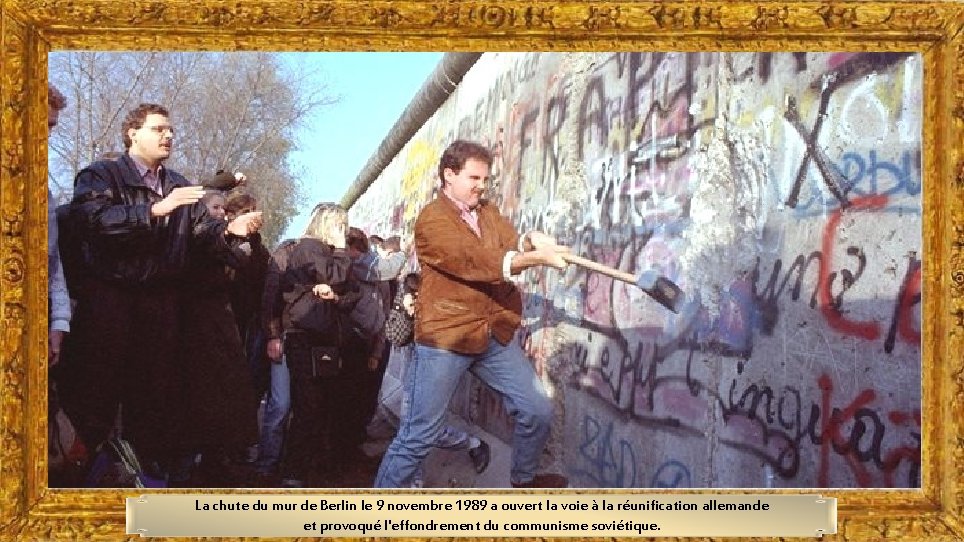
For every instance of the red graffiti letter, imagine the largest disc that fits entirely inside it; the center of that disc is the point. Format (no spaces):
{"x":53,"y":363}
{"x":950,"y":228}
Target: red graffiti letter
{"x":870,"y":329}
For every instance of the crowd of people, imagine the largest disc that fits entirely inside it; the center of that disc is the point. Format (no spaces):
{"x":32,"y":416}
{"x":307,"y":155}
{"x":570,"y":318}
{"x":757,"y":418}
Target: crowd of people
{"x":185,"y":353}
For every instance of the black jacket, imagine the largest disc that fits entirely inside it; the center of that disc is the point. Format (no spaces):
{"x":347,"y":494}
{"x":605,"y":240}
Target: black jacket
{"x":247,"y":283}
{"x":122,"y":242}
{"x":311,"y":262}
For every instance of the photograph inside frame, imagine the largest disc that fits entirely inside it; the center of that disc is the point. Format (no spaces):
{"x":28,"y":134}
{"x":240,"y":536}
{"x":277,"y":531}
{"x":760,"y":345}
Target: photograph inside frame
{"x":749,"y":315}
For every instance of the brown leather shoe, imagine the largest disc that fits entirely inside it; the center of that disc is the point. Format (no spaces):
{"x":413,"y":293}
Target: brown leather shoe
{"x":545,"y":480}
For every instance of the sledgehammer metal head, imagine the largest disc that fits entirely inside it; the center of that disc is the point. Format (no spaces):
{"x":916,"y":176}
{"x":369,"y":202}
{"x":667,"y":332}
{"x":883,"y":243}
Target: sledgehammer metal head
{"x":661,"y":289}
{"x":667,"y":294}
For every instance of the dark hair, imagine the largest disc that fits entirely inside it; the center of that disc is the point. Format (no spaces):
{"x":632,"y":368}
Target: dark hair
{"x":375,"y":239}
{"x":411,"y":282}
{"x":393,"y":243}
{"x":357,"y":240}
{"x":456,"y":154}
{"x":211,"y":194}
{"x":55,"y":98}
{"x":136,"y":117}
{"x":240,"y":201}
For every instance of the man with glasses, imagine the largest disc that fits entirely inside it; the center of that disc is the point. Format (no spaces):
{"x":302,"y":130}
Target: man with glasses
{"x":139,"y":223}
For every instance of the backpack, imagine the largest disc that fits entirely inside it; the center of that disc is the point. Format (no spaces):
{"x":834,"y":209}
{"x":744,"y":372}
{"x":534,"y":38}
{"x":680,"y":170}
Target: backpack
{"x":399,"y":327}
{"x":368,"y":315}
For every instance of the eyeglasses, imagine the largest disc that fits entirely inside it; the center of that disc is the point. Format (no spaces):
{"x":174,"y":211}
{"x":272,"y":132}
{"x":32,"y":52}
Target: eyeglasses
{"x":161,"y":129}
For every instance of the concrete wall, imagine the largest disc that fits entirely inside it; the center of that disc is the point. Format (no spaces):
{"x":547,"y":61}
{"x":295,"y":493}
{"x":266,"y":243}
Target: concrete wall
{"x":780,"y":190}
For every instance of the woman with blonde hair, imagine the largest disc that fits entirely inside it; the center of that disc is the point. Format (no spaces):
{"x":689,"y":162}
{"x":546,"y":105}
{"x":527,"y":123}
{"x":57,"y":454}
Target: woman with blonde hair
{"x":316,"y":294}
{"x":328,"y":223}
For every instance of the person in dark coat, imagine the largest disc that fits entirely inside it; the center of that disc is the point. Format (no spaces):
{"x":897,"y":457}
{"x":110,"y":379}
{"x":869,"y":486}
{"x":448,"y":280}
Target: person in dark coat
{"x":247,"y":287}
{"x":221,"y":413}
{"x":317,"y":294}
{"x":139,"y":222}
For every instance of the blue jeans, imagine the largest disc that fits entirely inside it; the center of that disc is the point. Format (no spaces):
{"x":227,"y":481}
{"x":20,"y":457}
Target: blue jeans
{"x":275,"y":414}
{"x":432,"y":379}
{"x":450,"y":438}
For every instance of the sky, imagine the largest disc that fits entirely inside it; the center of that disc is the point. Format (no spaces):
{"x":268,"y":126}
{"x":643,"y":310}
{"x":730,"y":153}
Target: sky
{"x":337,"y":141}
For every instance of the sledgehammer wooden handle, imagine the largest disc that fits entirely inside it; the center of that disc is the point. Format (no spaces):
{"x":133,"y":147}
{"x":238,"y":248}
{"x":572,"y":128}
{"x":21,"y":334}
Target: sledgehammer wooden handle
{"x":660,"y":288}
{"x":600,"y":268}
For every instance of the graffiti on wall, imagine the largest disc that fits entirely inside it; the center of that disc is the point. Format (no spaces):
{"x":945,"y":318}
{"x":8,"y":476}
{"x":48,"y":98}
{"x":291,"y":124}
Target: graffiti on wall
{"x":776,"y":425}
{"x":804,"y":354}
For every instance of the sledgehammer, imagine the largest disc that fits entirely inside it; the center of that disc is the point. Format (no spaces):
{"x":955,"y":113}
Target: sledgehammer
{"x":660,"y":288}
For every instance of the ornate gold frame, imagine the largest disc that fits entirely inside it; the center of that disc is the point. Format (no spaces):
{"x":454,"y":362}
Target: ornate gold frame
{"x":31,"y":28}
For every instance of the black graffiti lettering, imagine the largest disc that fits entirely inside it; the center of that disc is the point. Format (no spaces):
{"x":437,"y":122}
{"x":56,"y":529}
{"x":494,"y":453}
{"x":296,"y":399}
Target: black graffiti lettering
{"x":767,"y":299}
{"x":592,"y":117}
{"x":629,"y":365}
{"x":871,"y":452}
{"x":849,"y":279}
{"x":605,"y":197}
{"x":812,"y":429}
{"x":891,"y":339}
{"x":692,"y":384}
{"x":853,"y":69}
{"x":764,"y":67}
{"x":766,"y":61}
{"x":779,"y":416}
{"x":831,"y":177}
{"x":789,"y":408}
{"x":555,"y":118}
{"x":755,"y":396}
{"x":664,"y":101}
{"x":787,"y":462}
{"x":647,"y":379}
{"x":524,"y":142}
{"x":642,"y":71}
{"x":604,"y":363}
{"x":607,"y":467}
{"x":615,"y":375}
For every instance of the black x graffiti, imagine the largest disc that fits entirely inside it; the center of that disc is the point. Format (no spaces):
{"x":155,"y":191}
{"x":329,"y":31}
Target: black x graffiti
{"x":852,"y":70}
{"x":829,"y":174}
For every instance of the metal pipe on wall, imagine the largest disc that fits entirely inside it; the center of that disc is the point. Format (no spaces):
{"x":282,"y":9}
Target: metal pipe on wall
{"x":437,"y":88}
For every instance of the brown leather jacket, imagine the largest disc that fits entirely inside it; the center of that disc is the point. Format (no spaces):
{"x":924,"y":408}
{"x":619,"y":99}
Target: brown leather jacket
{"x":464,"y":299}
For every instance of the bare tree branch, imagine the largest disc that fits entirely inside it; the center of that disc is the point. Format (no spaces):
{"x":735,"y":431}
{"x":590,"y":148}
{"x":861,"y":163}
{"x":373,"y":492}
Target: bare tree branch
{"x":232,"y":110}
{"x":135,"y":86}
